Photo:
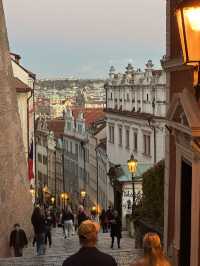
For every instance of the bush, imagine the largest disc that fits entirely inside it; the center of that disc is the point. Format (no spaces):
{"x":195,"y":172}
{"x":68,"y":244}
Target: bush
{"x":152,"y":209}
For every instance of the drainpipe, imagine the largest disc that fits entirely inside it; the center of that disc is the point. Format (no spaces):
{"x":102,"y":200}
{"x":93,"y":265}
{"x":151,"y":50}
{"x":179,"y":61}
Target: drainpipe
{"x":28,"y":122}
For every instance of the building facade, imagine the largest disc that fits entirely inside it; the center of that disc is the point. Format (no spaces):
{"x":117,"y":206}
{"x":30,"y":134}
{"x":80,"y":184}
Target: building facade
{"x":182,"y":169}
{"x":82,"y":135}
{"x":24,"y":84}
{"x":135,"y":114}
{"x":49,"y":159}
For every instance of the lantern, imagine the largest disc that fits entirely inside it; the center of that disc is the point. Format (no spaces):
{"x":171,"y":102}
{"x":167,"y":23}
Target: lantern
{"x":188,"y":18}
{"x":132,"y":165}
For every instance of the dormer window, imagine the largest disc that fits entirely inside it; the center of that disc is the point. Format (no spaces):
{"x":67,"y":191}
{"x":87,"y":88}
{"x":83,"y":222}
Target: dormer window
{"x":80,"y":128}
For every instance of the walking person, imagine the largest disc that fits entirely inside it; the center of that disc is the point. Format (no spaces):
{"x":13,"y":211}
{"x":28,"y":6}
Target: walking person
{"x":104,"y":221}
{"x":18,"y":240}
{"x":153,"y":252}
{"x":109,"y":215}
{"x":116,"y":230}
{"x":88,"y":254}
{"x":81,"y":215}
{"x":68,"y":221}
{"x":48,"y":225}
{"x":38,"y":223}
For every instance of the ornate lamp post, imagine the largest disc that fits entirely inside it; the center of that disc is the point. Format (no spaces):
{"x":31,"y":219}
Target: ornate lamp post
{"x":132,"y":167}
{"x":83,"y":196}
{"x":45,"y":190}
{"x":188,"y":18}
{"x":32,"y":191}
{"x":52,"y":200}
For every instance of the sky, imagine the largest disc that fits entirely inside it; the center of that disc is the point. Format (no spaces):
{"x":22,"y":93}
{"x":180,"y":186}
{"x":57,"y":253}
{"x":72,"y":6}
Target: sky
{"x":83,"y":38}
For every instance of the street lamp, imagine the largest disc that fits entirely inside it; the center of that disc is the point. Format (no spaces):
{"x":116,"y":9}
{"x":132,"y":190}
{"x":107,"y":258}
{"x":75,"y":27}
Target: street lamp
{"x":188,"y":18}
{"x":62,"y":195}
{"x":32,"y":191}
{"x":52,"y":200}
{"x":83,"y":195}
{"x":132,"y":167}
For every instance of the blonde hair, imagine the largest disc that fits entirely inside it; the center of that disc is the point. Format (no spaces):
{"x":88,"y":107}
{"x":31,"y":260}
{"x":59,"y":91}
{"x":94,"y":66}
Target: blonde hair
{"x":153,"y":253}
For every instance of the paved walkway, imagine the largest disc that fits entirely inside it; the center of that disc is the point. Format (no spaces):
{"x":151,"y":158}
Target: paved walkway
{"x":62,"y":248}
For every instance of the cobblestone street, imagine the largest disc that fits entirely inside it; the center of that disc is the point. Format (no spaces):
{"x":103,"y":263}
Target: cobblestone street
{"x":62,"y":248}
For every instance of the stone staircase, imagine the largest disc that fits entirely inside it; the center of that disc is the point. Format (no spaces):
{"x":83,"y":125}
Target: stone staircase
{"x":62,"y":248}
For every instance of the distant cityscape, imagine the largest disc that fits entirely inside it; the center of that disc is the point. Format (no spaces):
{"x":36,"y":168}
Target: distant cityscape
{"x":53,"y":96}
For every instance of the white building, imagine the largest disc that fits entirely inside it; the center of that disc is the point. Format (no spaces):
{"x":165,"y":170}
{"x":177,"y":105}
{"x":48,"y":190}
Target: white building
{"x":24,"y":85}
{"x":135,"y":115}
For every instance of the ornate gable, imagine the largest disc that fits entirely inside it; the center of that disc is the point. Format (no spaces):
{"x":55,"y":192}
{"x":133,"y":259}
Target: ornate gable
{"x":184,"y":113}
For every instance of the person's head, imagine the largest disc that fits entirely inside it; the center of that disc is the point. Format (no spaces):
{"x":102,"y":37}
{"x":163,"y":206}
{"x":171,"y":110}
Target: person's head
{"x":37,"y":211}
{"x":153,"y":250}
{"x":81,"y":208}
{"x":115,"y":213}
{"x":17,"y":227}
{"x":88,"y":233}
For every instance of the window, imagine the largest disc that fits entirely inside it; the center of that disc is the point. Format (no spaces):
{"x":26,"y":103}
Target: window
{"x":127,"y":97}
{"x":76,"y":149}
{"x":111,"y":97}
{"x":120,"y":136}
{"x":135,"y":141}
{"x":39,"y":158}
{"x":80,"y":129}
{"x":127,"y":139}
{"x":147,"y":143}
{"x":147,"y":97}
{"x":70,"y":146}
{"x":44,"y":159}
{"x":66,"y":143}
{"x":111,"y":134}
{"x":69,"y":126}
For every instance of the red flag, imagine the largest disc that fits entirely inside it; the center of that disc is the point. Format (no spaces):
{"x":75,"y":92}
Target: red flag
{"x":30,"y":162}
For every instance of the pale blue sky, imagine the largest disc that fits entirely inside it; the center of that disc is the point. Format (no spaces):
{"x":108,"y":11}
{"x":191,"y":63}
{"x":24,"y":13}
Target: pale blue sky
{"x":84,"y":37}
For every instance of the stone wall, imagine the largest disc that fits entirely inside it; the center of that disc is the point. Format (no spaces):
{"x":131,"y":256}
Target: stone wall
{"x":15,"y":198}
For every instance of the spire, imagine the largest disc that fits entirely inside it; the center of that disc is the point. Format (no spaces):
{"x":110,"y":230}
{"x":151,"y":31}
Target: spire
{"x":14,"y":186}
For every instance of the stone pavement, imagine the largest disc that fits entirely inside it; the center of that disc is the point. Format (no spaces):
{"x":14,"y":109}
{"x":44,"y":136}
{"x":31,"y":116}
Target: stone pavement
{"x":62,"y":248}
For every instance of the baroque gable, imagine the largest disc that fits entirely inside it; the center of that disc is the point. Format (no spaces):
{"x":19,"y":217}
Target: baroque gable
{"x":184,"y":113}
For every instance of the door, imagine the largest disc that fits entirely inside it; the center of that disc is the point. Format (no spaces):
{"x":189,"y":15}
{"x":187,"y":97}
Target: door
{"x":185,"y":226}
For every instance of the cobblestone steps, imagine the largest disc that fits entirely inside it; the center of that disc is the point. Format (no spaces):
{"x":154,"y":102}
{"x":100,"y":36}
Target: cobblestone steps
{"x":62,"y":248}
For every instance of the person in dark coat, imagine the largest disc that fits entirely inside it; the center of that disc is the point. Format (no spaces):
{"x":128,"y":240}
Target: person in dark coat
{"x":116,"y":228}
{"x":38,"y":223}
{"x":48,"y":225}
{"x":104,"y":221}
{"x":18,"y":240}
{"x":81,"y":215}
{"x":109,"y":215}
{"x":88,"y":254}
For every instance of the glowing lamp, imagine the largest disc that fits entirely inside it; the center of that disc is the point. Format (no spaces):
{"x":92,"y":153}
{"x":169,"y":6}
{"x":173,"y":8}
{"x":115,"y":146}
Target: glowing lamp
{"x":188,"y":18}
{"x":132,"y":165}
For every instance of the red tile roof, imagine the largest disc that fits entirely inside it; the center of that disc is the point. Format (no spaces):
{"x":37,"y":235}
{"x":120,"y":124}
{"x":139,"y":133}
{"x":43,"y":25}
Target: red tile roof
{"x":57,"y":126}
{"x":90,"y":114}
{"x":21,"y":86}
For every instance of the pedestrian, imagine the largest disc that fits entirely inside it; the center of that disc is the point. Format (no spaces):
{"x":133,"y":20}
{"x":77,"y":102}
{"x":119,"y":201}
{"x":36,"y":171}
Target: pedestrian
{"x":81,"y":215}
{"x":38,"y":223}
{"x":109,"y":215}
{"x":18,"y":240}
{"x":153,"y":252}
{"x":88,"y":254}
{"x":68,"y":221}
{"x":116,"y":226}
{"x":48,"y":225}
{"x":104,"y":221}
